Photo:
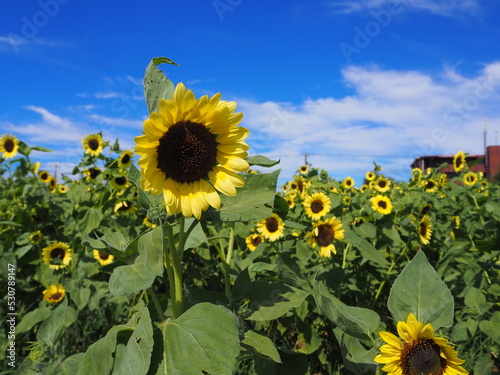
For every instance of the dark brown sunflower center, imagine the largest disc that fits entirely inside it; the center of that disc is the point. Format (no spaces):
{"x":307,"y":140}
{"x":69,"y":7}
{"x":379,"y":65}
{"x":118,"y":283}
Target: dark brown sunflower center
{"x":317,"y":206}
{"x":325,"y":235}
{"x":93,"y":144}
{"x":256,"y":240}
{"x":122,"y":180}
{"x":294,"y":186}
{"x":55,"y":296}
{"x":94,"y":172}
{"x":35,"y":238}
{"x":422,"y":357}
{"x":57,"y":253}
{"x":300,"y":186}
{"x":382,"y":204}
{"x":187,"y":151}
{"x":458,"y":162}
{"x":103,"y":256}
{"x":430,"y":185}
{"x":124,"y":206}
{"x":423,"y":229}
{"x":125,"y":158}
{"x":272,"y":225}
{"x":382,"y":184}
{"x":44,"y":175}
{"x":8,"y":145}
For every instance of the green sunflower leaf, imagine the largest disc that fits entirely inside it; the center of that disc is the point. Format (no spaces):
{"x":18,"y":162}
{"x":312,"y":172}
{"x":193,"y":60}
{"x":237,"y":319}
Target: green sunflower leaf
{"x":210,"y":341}
{"x":261,"y":161}
{"x":156,"y":85}
{"x":419,"y":290}
{"x":261,"y":345}
{"x":52,"y":328}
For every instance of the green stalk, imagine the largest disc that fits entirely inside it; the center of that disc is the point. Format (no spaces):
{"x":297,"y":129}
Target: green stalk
{"x":175,"y":256}
{"x":175,"y":276}
{"x":344,"y":257}
{"x":226,"y":264}
{"x":156,"y":302}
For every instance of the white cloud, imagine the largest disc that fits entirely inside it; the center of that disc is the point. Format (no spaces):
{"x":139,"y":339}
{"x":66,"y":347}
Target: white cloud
{"x":441,"y":7}
{"x":117,"y":121}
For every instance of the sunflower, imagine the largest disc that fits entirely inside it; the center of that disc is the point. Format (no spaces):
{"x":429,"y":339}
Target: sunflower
{"x":430,"y":185}
{"x":323,"y":235}
{"x":52,"y":184}
{"x":443,"y":179}
{"x":147,"y":222}
{"x":370,"y":176}
{"x":470,"y":178}
{"x":456,"y":220}
{"x":62,"y":188}
{"x":425,"y":229}
{"x":253,"y":240}
{"x":54,"y":293}
{"x":44,"y":176}
{"x":300,"y":185}
{"x":417,"y":351}
{"x":93,"y":144}
{"x":416,"y":174}
{"x":363,"y":188}
{"x":459,"y":161}
{"x":272,"y":228}
{"x":57,"y":255}
{"x":382,"y":184}
{"x":346,"y":200}
{"x":8,"y":146}
{"x":382,"y":204}
{"x":36,"y":237}
{"x":119,"y":182}
{"x":348,"y":183}
{"x":92,"y":173}
{"x":304,"y":169}
{"x":125,"y":159}
{"x":102,"y":258}
{"x":37,"y":167}
{"x":125,"y":207}
{"x":190,"y":150}
{"x":317,"y":205}
{"x":290,"y":200}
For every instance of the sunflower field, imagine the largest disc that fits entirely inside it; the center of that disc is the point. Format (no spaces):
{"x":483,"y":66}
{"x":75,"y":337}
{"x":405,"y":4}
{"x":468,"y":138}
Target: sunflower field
{"x":184,"y":256}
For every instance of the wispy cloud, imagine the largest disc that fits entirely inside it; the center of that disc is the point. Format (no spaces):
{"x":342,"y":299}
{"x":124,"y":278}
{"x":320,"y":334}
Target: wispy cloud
{"x":117,"y":121}
{"x":442,"y":7}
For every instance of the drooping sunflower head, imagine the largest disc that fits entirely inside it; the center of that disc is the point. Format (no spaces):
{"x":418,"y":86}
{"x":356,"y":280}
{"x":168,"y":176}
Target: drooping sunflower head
{"x":271,"y":228}
{"x":119,"y":182}
{"x":102,"y":258}
{"x":382,"y":204}
{"x":125,"y":207}
{"x":253,"y":240}
{"x":54,"y":293}
{"x":470,"y":178}
{"x":92,"y":173}
{"x":425,"y":229}
{"x":416,"y":174}
{"x":459,"y":161}
{"x":417,"y":351}
{"x":9,"y":145}
{"x":317,"y":205}
{"x":57,"y":255}
{"x":36,"y":237}
{"x":348,"y":183}
{"x":382,"y":184}
{"x":93,"y":144}
{"x":52,"y":184}
{"x":323,"y":235}
{"x":125,"y":159}
{"x":44,"y":176}
{"x":190,"y":150}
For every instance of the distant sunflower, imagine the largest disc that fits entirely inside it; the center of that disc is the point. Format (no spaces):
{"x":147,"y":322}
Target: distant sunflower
{"x":348,"y":183}
{"x":125,"y":207}
{"x":363,"y":188}
{"x":52,"y":184}
{"x":125,"y":159}
{"x":382,"y":184}
{"x":443,"y":179}
{"x":102,"y":258}
{"x":470,"y":178}
{"x":119,"y":182}
{"x":304,"y":169}
{"x":190,"y":150}
{"x":272,"y":228}
{"x":430,"y":185}
{"x":36,"y":237}
{"x":290,"y":201}
{"x":44,"y":176}
{"x":92,"y":173}
{"x":147,"y":222}
{"x":299,"y":184}
{"x":416,"y":174}
{"x":317,"y":205}
{"x":54,"y":293}
{"x":93,"y":144}
{"x":62,"y":188}
{"x":382,"y":204}
{"x":9,"y":146}
{"x":459,"y":161}
{"x":323,"y":235}
{"x":417,"y":351}
{"x":37,"y":167}
{"x":346,"y":200}
{"x":456,"y":220}
{"x":425,"y":229}
{"x":253,"y":240}
{"x":370,"y":176}
{"x":57,"y":255}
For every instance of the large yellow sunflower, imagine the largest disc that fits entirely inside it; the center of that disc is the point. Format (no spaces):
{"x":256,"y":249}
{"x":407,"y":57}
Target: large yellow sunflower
{"x":317,"y":205}
{"x":253,"y":240}
{"x":272,"y":228}
{"x":323,"y":235}
{"x":57,"y":255}
{"x":382,"y":204}
{"x":8,"y":146}
{"x":382,"y":184}
{"x":102,"y":258}
{"x":54,"y":293}
{"x":190,"y":149}
{"x":93,"y":144}
{"x":425,"y":229}
{"x":417,"y":351}
{"x":459,"y":161}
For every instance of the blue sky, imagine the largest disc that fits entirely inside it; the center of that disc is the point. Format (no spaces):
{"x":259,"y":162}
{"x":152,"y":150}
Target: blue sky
{"x":346,"y":82}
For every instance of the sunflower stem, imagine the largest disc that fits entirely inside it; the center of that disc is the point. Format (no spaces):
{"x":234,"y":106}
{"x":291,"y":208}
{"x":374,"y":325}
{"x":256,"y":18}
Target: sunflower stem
{"x":156,"y":302}
{"x":176,"y":256}
{"x":175,"y":276}
{"x":226,"y":265}
{"x":344,"y":256}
